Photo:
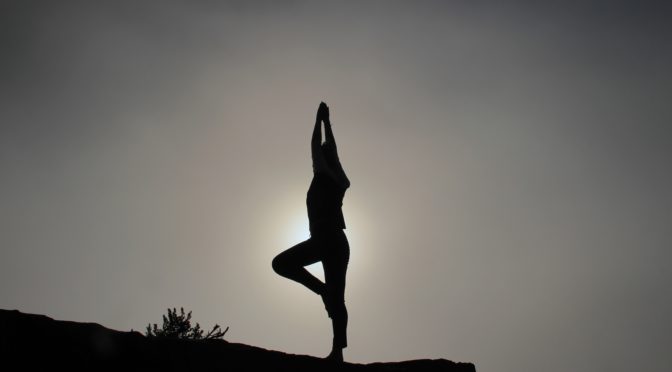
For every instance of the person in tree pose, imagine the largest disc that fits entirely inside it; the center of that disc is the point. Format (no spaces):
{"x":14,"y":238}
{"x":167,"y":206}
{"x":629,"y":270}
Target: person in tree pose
{"x":327,"y":242}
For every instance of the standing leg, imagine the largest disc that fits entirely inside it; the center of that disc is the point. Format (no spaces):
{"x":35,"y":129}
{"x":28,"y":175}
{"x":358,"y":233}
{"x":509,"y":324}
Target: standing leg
{"x":335,"y":266}
{"x":291,"y":264}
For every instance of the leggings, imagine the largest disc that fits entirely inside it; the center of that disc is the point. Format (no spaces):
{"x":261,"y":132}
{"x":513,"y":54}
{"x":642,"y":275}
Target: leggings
{"x":332,"y":248}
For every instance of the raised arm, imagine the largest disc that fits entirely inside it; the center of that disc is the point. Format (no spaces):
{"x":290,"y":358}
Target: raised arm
{"x":328,"y":133}
{"x":337,"y":168}
{"x":333,"y":167}
{"x":319,"y":163}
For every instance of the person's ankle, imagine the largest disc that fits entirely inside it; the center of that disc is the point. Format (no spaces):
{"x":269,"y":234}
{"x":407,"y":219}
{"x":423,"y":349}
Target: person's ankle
{"x":336,"y":355}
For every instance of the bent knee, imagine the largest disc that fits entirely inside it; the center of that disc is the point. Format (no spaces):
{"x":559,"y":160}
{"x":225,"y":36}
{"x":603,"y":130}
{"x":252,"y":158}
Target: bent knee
{"x":279,"y":266}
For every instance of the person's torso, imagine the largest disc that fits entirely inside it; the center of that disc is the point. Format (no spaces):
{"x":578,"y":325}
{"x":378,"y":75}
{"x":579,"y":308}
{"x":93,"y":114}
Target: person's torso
{"x":324,"y":201}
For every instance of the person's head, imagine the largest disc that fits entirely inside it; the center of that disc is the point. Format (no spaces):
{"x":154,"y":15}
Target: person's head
{"x":330,"y":154}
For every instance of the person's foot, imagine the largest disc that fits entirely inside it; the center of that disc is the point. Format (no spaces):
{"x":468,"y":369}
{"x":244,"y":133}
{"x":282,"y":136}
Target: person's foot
{"x":336,"y":355}
{"x":326,"y":304}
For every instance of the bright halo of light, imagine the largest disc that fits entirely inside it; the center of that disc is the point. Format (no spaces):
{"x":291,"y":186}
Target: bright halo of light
{"x":298,"y":231}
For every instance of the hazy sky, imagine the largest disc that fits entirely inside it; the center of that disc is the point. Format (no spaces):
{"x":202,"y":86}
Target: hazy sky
{"x":511,"y":199}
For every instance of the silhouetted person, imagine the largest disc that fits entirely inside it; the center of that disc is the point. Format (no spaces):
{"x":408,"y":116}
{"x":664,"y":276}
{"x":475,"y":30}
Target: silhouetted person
{"x":327,"y":242}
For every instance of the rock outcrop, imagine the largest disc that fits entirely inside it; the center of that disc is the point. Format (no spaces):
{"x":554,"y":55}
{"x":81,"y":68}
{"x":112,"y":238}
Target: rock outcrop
{"x":37,"y":342}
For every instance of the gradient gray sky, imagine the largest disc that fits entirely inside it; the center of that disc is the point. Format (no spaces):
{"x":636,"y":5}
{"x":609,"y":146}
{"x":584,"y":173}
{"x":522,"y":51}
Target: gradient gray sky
{"x":511,"y":199}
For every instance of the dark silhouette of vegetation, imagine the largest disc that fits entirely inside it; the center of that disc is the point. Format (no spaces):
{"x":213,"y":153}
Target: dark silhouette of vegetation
{"x":179,"y":326}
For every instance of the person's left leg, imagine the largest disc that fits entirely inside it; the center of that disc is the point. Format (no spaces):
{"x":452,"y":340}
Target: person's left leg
{"x":335,"y":266}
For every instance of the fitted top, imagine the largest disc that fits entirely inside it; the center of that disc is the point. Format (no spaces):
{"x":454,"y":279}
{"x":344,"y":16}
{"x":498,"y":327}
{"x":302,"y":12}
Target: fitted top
{"x":324,"y":201}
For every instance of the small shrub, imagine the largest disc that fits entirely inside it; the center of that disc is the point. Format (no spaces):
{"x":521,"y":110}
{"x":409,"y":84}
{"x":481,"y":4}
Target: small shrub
{"x":179,"y":326}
